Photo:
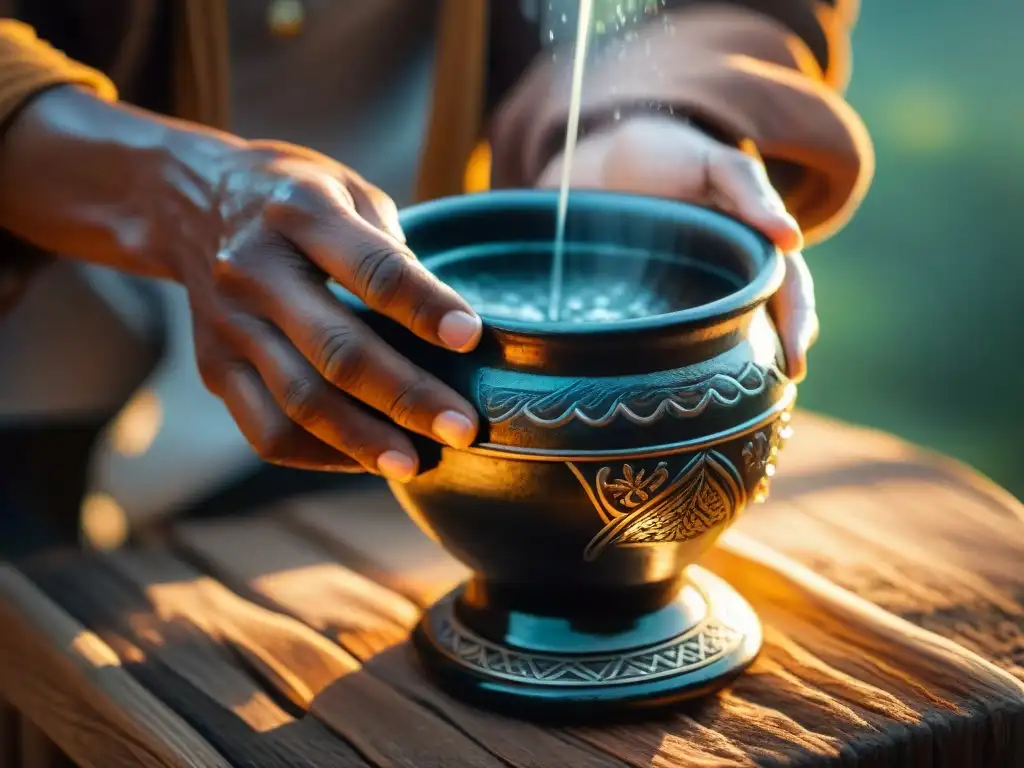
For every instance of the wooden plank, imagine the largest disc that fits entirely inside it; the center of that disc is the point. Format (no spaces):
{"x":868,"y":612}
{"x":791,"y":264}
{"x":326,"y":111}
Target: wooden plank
{"x":295,"y":664}
{"x":295,"y":576}
{"x":833,"y":683}
{"x":922,"y":537}
{"x":201,"y":678}
{"x":829,"y":454}
{"x":56,"y":672}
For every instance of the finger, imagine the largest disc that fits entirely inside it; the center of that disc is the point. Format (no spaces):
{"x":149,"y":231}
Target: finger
{"x":355,"y":360}
{"x":310,"y":402}
{"x":792,"y":309}
{"x":341,"y":348}
{"x":374,"y":266}
{"x":274,"y":437}
{"x":740,"y":185}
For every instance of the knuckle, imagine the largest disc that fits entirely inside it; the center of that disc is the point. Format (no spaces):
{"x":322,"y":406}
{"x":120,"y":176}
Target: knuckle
{"x":409,"y":402}
{"x":211,"y":375}
{"x":292,"y":201}
{"x":738,"y":161}
{"x":382,"y":276}
{"x":301,"y":400}
{"x":425,"y":313}
{"x":275,"y":443}
{"x":214,"y":362}
{"x":300,"y":192}
{"x":237,"y":268}
{"x":229,"y":270}
{"x":213,"y":372}
{"x":362,"y":448}
{"x":749,"y":169}
{"x":260,"y":268}
{"x":341,"y":356}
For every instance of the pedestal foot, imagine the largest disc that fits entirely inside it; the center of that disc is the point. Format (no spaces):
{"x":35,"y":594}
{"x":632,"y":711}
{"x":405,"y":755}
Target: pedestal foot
{"x":543,"y":681}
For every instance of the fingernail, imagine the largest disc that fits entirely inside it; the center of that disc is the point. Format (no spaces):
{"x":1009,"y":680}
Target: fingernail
{"x":460,"y":330}
{"x":454,"y":429}
{"x":395,"y":465}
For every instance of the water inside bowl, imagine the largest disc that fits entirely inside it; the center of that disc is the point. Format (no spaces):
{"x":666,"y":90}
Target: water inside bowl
{"x":511,"y":281}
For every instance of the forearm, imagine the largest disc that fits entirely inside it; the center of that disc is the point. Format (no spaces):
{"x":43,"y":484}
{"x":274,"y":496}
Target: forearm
{"x":742,"y":74}
{"x":104,"y":182}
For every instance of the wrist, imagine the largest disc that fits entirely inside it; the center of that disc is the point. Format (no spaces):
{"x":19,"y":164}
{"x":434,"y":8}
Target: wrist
{"x":107,"y":183}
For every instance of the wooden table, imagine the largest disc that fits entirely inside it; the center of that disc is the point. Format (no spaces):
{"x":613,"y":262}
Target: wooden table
{"x":891,"y":584}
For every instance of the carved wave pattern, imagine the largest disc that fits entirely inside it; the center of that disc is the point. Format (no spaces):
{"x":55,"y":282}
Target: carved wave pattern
{"x":598,"y":403}
{"x":639,"y":508}
{"x":704,"y":644}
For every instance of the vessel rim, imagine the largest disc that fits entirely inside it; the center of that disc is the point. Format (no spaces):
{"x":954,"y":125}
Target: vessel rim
{"x":754,"y":292}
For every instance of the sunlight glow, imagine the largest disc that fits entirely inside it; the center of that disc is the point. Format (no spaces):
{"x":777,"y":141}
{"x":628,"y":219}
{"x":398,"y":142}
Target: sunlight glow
{"x":138,"y":424}
{"x":104,"y":522}
{"x":478,"y":169}
{"x":921,"y":118}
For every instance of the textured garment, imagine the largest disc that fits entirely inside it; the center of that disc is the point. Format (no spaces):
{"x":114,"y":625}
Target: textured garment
{"x":771,"y":71}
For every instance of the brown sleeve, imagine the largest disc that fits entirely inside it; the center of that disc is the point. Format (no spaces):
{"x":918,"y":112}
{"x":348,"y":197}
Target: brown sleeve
{"x":28,"y":66}
{"x":743,"y":72}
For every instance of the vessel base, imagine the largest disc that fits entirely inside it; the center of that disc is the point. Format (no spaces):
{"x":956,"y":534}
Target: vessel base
{"x":540,"y":680}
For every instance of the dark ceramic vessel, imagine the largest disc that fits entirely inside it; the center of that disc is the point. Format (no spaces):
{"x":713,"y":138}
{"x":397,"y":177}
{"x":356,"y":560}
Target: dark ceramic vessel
{"x":612,"y":454}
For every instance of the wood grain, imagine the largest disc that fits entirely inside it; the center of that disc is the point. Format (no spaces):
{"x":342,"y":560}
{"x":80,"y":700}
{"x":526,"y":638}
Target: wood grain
{"x":197,"y":675}
{"x":921,"y":536}
{"x":234,"y":648}
{"x":304,"y":581}
{"x":57,"y":673}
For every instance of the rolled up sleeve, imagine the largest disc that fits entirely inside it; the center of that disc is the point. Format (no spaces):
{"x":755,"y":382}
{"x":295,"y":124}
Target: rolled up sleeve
{"x":766,"y":74}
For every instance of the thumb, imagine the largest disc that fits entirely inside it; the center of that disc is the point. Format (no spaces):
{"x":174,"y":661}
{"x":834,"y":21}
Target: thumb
{"x":740,"y":185}
{"x":792,"y":309}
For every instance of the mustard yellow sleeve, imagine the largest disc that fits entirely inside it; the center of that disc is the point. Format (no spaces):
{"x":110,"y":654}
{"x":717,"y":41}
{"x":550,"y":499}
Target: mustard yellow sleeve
{"x":29,"y":65}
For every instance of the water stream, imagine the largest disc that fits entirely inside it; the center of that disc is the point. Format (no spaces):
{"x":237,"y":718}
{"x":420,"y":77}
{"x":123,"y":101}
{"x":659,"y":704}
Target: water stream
{"x":571,"y":134}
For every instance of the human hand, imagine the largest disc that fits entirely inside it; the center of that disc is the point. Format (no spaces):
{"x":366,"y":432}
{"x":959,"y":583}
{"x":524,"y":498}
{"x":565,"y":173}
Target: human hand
{"x":661,"y":156}
{"x":293,"y":366}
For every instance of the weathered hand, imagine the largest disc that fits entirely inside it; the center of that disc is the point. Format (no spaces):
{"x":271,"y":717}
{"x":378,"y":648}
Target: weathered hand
{"x":664,"y":157}
{"x":293,"y":366}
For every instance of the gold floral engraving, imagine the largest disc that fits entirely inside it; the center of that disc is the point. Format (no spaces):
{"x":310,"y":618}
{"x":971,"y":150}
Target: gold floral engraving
{"x":632,"y":490}
{"x":641,"y":506}
{"x":707,"y":642}
{"x":760,"y":455}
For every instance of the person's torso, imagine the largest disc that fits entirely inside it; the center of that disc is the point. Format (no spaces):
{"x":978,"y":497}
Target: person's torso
{"x":354,"y":83}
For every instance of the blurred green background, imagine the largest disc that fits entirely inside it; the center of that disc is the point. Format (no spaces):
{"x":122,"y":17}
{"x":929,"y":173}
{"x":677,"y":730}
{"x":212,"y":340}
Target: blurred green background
{"x":921,"y":296}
